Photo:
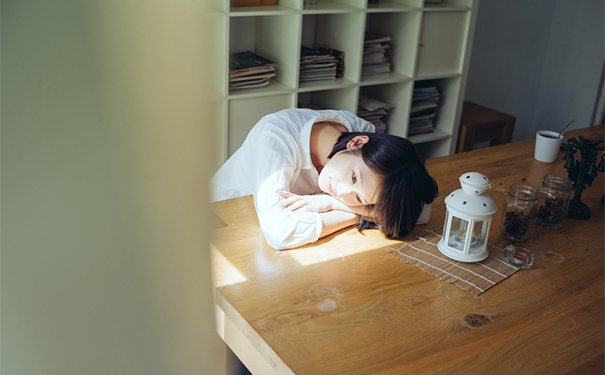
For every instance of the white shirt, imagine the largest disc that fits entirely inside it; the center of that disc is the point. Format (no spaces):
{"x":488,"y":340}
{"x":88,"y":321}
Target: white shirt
{"x":275,"y":156}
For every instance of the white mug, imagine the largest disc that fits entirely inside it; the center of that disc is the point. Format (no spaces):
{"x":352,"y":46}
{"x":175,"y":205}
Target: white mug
{"x":547,"y":146}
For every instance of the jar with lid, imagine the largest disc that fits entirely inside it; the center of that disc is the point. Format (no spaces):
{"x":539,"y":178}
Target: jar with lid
{"x":553,"y":201}
{"x":518,"y":212}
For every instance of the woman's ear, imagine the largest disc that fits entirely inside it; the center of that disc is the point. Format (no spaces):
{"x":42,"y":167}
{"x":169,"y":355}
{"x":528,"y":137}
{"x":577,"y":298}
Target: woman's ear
{"x":357,"y":142}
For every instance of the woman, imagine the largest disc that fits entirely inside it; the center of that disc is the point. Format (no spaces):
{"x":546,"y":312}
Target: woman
{"x":315,"y":172}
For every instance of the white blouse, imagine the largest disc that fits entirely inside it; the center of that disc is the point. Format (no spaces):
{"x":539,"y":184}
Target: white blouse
{"x":275,"y":156}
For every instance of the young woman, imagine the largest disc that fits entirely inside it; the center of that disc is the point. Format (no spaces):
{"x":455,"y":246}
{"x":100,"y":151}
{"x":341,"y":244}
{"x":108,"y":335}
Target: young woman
{"x":312,"y":173}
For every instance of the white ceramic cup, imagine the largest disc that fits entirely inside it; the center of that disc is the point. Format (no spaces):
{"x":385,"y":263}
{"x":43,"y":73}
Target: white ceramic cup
{"x":547,"y":146}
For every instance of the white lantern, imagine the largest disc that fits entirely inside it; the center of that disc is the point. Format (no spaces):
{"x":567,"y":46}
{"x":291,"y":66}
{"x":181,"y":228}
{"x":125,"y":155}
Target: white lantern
{"x":468,"y":219}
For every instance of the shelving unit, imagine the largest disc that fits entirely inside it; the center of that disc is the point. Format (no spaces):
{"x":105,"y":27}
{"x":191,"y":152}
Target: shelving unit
{"x":428,"y":42}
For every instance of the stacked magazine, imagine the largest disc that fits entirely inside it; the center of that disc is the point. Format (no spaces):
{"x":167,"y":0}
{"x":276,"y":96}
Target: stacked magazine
{"x":374,"y":111}
{"x":375,"y":59}
{"x":320,"y":63}
{"x":425,"y":101}
{"x":249,"y":70}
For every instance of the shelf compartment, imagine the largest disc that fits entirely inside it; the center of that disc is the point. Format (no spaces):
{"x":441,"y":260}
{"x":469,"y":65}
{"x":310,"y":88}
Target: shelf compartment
{"x":447,"y":116}
{"x":442,"y":40}
{"x":243,"y":114}
{"x":432,"y":147}
{"x":343,"y":32}
{"x":342,"y":98}
{"x":272,"y":37}
{"x":400,"y":96}
{"x":404,"y":30}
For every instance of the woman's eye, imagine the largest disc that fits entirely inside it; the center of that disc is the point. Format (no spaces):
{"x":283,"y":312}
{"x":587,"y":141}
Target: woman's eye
{"x":354,"y":178}
{"x":359,"y":199}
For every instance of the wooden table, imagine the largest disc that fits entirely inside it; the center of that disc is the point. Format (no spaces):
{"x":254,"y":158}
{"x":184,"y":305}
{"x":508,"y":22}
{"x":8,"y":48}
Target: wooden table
{"x":345,"y":306}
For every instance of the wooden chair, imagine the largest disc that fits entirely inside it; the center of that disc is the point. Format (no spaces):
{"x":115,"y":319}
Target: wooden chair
{"x":480,"y":124}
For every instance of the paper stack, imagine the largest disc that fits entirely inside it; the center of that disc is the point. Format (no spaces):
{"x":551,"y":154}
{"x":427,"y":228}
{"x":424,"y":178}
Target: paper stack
{"x":320,"y":63}
{"x":425,"y":101}
{"x":375,"y":59}
{"x":249,"y":70}
{"x":374,"y":111}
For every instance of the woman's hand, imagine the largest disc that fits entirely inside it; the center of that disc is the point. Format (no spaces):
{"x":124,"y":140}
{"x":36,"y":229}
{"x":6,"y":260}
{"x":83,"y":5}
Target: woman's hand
{"x":321,"y":203}
{"x":312,"y":203}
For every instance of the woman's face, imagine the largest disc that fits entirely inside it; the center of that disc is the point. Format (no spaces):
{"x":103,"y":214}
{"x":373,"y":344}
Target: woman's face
{"x":347,"y":178}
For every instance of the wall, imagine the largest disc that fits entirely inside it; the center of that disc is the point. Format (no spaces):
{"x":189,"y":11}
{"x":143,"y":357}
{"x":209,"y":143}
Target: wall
{"x":538,"y":60}
{"x":105,"y":152}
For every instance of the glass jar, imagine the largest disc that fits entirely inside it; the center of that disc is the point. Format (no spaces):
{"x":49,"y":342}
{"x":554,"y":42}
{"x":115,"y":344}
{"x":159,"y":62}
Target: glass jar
{"x":518,"y":212}
{"x":553,"y":201}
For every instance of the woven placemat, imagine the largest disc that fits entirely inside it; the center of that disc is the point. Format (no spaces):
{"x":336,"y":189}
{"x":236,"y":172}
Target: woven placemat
{"x":475,"y":277}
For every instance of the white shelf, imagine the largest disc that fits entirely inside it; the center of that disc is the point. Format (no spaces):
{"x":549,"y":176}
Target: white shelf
{"x":436,"y":135}
{"x":274,"y":88}
{"x":382,"y":79}
{"x":444,"y":6}
{"x":325,"y":85}
{"x":390,"y":6}
{"x":428,"y":42}
{"x":275,"y":10}
{"x":327,"y":7}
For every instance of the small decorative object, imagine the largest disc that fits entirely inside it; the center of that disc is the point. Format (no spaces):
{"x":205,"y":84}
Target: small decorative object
{"x":468,"y":219}
{"x":519,"y":210}
{"x":582,"y":172}
{"x":553,"y":201}
{"x":518,"y":256}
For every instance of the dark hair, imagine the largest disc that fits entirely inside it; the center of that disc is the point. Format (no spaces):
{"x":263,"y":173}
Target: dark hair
{"x":405,"y":184}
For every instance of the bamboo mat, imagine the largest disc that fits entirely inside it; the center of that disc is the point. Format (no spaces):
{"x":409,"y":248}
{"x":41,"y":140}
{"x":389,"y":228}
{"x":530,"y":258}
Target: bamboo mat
{"x":475,"y":277}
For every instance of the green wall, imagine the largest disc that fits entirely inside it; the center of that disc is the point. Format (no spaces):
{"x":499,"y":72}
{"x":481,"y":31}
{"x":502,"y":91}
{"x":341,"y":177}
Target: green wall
{"x":105,"y":150}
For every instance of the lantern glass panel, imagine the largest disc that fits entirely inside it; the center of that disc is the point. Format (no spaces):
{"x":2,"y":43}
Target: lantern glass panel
{"x":478,"y":237}
{"x":458,"y":233}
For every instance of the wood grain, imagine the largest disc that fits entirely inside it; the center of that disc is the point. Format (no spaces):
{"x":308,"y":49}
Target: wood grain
{"x":345,"y":306}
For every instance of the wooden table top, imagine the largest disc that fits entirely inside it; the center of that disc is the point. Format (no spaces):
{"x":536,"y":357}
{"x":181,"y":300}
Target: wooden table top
{"x":346,"y":306}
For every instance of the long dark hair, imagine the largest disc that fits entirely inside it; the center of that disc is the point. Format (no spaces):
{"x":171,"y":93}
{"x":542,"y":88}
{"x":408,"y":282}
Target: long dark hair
{"x":405,"y":184}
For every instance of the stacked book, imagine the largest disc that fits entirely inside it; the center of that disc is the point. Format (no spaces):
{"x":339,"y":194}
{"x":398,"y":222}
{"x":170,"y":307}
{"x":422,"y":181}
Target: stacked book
{"x":320,"y":63}
{"x":375,"y":59}
{"x":249,"y":70}
{"x":374,"y":111}
{"x":425,"y":101}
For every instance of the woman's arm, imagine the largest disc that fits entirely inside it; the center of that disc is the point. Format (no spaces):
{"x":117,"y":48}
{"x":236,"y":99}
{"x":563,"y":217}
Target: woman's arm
{"x":320,"y":203}
{"x":337,"y":220}
{"x":334,"y":214}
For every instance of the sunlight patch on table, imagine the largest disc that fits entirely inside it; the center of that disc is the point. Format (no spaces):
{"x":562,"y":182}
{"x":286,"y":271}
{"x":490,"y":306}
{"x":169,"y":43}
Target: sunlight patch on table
{"x":224,"y":272}
{"x":325,"y":252}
